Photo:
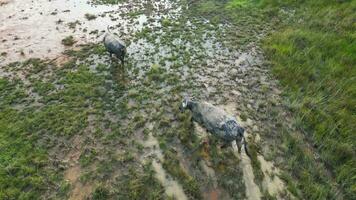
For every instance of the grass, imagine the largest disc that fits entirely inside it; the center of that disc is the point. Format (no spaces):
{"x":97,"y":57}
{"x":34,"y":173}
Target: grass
{"x":68,"y":41}
{"x":107,"y":1}
{"x":31,"y":127}
{"x":25,"y":166}
{"x":312,"y":53}
{"x":172,"y":165}
{"x":315,"y":61}
{"x":303,"y":50}
{"x":72,"y":25}
{"x":89,"y":16}
{"x":138,"y":185}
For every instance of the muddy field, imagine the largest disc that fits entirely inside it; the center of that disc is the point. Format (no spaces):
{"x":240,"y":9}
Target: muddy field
{"x":113,"y":132}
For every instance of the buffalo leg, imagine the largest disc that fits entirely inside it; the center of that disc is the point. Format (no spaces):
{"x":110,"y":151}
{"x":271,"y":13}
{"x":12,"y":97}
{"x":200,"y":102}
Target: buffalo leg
{"x":239,"y":145}
{"x":122,"y":60}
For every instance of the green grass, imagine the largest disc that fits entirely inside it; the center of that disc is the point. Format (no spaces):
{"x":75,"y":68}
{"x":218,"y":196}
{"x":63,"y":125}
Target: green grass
{"x":107,"y":1}
{"x":237,"y":3}
{"x":68,"y":41}
{"x":172,"y":165}
{"x":89,"y":16}
{"x":138,"y":185}
{"x":312,"y":52}
{"x":28,"y":131}
{"x":25,"y":169}
{"x":315,"y":61}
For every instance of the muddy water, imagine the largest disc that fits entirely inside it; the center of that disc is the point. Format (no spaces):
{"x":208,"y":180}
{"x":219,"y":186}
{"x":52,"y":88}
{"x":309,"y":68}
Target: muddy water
{"x":35,"y":28}
{"x":252,"y":190}
{"x":272,"y":183}
{"x":203,"y":135}
{"x":172,"y":187}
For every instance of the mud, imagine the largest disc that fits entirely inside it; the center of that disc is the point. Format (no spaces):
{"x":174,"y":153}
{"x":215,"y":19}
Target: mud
{"x":272,"y":183}
{"x":172,"y":187}
{"x":35,"y":28}
{"x":252,"y":190}
{"x":79,"y":190}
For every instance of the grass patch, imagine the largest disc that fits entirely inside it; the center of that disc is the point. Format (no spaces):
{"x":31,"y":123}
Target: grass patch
{"x":29,"y":131}
{"x":139,"y":185}
{"x":313,"y":55}
{"x":68,"y":41}
{"x":172,"y":165}
{"x":107,"y":1}
{"x":237,"y":4}
{"x":89,"y":16}
{"x":315,"y":59}
{"x":23,"y":168}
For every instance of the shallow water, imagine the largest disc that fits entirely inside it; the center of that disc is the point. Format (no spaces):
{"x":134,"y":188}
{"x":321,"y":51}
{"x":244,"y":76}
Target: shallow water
{"x":252,"y":190}
{"x":172,"y":187}
{"x":36,"y":28}
{"x":271,"y":182}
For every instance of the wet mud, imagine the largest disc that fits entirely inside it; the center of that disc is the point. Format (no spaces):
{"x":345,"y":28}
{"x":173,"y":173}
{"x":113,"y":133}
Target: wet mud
{"x":35,"y":29}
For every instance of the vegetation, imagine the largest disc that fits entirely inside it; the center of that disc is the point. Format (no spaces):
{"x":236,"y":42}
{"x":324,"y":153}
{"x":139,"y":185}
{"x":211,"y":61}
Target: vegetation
{"x":172,"y":165}
{"x":68,"y":41}
{"x":138,"y":185}
{"x":312,"y":52}
{"x":25,"y":169}
{"x":89,"y":16}
{"x":314,"y":57}
{"x":46,"y":106}
{"x":106,"y":1}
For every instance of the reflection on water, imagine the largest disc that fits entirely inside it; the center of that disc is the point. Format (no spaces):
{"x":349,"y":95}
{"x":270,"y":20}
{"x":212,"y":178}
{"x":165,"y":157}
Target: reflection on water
{"x":36,"y":28}
{"x":172,"y":187}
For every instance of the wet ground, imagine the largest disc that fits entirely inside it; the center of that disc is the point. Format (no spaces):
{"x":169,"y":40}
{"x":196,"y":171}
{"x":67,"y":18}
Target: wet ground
{"x":169,"y":56}
{"x":35,"y":29}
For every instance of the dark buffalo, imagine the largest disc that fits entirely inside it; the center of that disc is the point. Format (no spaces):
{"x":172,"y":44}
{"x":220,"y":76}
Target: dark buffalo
{"x":114,"y":46}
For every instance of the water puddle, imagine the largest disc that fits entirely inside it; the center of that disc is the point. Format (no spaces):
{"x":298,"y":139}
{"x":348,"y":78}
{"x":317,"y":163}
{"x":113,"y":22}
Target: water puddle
{"x":79,"y":190}
{"x":209,"y":172}
{"x":36,"y":28}
{"x":252,"y":190}
{"x":172,"y":187}
{"x":272,"y":183}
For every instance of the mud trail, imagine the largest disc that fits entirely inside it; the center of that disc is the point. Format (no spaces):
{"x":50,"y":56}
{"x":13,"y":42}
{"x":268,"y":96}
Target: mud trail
{"x":172,"y":187}
{"x":73,"y":172}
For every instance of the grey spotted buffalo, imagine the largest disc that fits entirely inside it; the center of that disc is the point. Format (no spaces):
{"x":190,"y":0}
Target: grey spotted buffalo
{"x":216,"y":121}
